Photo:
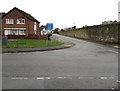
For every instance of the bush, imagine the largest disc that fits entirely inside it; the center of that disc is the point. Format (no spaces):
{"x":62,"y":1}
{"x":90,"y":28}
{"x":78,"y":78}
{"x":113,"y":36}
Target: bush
{"x":30,"y":36}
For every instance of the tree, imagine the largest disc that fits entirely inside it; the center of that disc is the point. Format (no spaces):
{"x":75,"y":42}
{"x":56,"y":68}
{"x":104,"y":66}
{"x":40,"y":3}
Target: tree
{"x":56,"y":30}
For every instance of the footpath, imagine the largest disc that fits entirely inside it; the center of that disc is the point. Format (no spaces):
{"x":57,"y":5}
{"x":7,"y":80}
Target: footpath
{"x":16,"y":50}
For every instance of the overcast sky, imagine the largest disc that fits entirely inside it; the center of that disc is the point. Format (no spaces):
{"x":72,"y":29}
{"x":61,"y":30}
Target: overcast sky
{"x":66,"y":13}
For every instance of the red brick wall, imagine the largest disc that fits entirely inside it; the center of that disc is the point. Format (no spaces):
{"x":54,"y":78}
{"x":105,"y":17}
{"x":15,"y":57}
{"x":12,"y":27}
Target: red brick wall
{"x":37,"y":26}
{"x":30,"y":29}
{"x":15,"y":14}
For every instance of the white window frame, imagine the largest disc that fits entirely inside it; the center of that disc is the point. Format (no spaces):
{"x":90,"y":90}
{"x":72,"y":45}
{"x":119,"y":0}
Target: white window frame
{"x":19,"y":22}
{"x":22,"y":32}
{"x":17,"y":31}
{"x":7,"y":32}
{"x":9,"y":21}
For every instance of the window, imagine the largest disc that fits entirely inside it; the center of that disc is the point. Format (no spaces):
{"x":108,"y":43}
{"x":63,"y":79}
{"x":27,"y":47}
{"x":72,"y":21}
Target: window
{"x":20,"y":21}
{"x":9,"y":21}
{"x":15,"y":31}
{"x":22,"y":32}
{"x":7,"y":32}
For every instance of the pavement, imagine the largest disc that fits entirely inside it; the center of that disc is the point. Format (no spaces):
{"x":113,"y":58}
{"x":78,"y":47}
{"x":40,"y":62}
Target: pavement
{"x":16,"y":50}
{"x":86,"y":65}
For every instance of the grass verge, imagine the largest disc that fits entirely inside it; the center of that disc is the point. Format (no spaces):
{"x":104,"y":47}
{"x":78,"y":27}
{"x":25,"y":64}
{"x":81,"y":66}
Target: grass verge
{"x":31,"y":43}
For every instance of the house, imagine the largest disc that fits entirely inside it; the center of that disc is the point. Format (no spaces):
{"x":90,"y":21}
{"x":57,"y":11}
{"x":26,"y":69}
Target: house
{"x":42,"y":30}
{"x":18,"y":22}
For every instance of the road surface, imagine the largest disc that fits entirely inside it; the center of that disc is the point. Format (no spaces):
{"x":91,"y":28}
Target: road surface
{"x":86,"y":65}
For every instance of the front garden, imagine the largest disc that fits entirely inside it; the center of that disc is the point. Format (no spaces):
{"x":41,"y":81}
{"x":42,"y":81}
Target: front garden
{"x":30,"y":43}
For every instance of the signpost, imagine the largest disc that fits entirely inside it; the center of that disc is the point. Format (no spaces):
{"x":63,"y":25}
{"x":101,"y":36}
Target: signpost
{"x":49,"y":28}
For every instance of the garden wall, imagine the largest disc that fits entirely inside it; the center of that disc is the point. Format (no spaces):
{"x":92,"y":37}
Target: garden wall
{"x":102,"y":33}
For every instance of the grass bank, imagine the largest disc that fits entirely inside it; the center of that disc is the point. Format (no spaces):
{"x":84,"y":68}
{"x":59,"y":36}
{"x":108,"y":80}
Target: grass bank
{"x":31,"y":43}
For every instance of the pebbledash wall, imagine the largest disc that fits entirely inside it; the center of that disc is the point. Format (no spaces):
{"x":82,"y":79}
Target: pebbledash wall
{"x":101,"y":33}
{"x":15,"y":14}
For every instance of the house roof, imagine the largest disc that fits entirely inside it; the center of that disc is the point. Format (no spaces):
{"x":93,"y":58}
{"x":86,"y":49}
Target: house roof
{"x":24,"y":13}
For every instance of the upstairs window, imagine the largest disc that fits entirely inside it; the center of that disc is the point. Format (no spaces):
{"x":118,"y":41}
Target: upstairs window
{"x":9,"y":21}
{"x":20,"y":21}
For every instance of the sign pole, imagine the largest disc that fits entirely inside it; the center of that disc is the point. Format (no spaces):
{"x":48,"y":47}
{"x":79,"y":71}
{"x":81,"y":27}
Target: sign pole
{"x":47,"y":38}
{"x":49,"y":26}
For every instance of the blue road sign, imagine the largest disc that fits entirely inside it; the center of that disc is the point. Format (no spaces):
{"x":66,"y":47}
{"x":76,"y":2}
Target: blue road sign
{"x":49,"y":26}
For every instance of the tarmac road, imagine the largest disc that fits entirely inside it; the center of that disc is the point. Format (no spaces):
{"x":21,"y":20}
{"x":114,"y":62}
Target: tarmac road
{"x":86,"y":65}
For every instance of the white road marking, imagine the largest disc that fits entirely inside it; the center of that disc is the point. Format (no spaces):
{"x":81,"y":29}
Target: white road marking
{"x":40,"y":78}
{"x":60,"y":77}
{"x":64,"y":77}
{"x":20,"y":78}
{"x":113,"y":51}
{"x":85,"y":78}
{"x":48,"y":78}
{"x":103,"y":78}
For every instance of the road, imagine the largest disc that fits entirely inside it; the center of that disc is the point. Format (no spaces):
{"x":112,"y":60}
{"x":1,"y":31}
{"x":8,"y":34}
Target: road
{"x":86,"y":65}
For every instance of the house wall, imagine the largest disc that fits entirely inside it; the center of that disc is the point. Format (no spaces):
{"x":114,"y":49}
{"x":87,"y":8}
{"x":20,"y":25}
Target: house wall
{"x":15,"y":14}
{"x":30,"y":29}
{"x":37,"y":25}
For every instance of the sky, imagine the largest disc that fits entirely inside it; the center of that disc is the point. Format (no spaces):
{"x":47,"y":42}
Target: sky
{"x":66,"y":13}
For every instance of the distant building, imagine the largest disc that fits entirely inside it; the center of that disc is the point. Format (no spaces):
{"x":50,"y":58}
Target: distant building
{"x":42,"y":30}
{"x":18,"y":22}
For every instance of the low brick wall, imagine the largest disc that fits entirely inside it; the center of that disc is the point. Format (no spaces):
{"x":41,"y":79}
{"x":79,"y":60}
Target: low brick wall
{"x":102,"y":33}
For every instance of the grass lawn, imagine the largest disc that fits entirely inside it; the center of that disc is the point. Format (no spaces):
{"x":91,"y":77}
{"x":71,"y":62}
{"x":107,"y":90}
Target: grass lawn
{"x":31,"y":43}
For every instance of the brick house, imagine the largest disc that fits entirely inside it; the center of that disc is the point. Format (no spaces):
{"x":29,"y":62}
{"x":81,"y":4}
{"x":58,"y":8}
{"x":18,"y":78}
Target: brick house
{"x":18,"y":22}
